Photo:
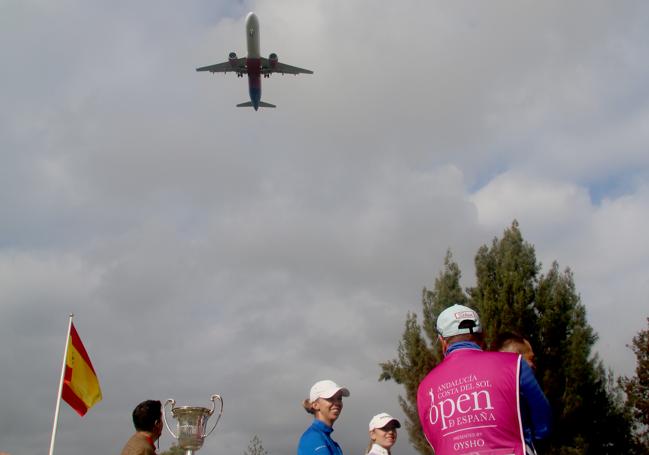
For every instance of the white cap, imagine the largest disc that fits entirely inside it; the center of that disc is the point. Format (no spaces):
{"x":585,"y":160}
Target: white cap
{"x":449,"y":320}
{"x":381,"y":420}
{"x":326,"y":389}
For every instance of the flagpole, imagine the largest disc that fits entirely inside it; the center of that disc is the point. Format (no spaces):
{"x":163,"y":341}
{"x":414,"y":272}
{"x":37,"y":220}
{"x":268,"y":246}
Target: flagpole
{"x":58,"y":398}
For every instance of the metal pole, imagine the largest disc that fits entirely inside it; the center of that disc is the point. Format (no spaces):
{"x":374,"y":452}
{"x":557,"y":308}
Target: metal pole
{"x":58,"y":398}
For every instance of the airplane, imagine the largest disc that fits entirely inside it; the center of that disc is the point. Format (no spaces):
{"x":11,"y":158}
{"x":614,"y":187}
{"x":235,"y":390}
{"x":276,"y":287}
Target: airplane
{"x":253,"y":65}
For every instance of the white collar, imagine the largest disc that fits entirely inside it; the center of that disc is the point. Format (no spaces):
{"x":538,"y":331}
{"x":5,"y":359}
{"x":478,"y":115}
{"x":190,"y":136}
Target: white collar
{"x":378,"y":450}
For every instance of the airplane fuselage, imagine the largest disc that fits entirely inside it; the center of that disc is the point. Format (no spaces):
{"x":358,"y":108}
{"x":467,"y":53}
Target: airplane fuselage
{"x":254,"y":65}
{"x":253,"y":60}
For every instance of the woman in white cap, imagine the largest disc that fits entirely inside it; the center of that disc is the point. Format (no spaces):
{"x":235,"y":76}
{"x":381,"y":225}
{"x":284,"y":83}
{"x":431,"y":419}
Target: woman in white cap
{"x":325,"y":403}
{"x":383,"y":434}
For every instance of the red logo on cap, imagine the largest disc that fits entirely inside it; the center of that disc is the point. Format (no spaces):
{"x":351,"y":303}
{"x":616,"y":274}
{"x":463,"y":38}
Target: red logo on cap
{"x":464,"y":315}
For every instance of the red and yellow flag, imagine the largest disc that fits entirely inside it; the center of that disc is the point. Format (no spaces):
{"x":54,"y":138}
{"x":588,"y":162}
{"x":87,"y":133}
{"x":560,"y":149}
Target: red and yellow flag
{"x":80,"y":384}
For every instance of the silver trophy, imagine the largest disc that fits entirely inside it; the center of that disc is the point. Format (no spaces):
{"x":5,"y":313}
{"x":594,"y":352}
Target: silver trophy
{"x":192,"y":423}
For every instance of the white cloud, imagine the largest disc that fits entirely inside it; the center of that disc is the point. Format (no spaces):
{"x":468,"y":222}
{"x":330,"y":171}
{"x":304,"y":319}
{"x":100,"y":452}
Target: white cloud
{"x":532,"y":200}
{"x":603,"y":244}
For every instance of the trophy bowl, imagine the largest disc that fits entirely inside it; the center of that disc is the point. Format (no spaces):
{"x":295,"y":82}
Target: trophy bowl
{"x":191,"y":423}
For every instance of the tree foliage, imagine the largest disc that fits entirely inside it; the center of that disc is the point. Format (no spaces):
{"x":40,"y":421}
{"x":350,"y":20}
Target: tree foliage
{"x":255,"y":447}
{"x":415,"y":358}
{"x":173,"y":450}
{"x":637,"y":389}
{"x":412,"y":364}
{"x":589,"y":416}
{"x":506,"y":276}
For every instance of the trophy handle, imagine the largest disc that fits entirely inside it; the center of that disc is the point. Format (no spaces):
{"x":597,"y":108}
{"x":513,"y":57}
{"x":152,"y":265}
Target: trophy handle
{"x":215,"y":397}
{"x":164,"y":412}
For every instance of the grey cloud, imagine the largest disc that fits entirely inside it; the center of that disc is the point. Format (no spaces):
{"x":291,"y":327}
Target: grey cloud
{"x":208,"y":249}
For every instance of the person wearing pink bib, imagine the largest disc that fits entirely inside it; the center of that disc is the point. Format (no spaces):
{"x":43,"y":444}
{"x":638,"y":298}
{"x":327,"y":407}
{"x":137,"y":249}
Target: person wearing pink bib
{"x":471,"y":402}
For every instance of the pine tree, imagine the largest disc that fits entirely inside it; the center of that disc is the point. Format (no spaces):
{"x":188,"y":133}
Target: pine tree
{"x":548,"y":311}
{"x":637,"y":389}
{"x":173,"y":450}
{"x":506,"y":276}
{"x":416,"y":355}
{"x":589,"y":416}
{"x":446,"y":292}
{"x":255,"y":447}
{"x":588,"y":412}
{"x":414,"y":361}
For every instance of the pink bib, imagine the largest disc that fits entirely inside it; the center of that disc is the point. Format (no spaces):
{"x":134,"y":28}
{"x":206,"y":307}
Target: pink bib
{"x":469,"y":404}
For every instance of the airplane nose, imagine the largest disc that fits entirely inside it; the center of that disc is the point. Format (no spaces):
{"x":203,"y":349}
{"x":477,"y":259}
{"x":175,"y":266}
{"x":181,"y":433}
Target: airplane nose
{"x":251,"y":20}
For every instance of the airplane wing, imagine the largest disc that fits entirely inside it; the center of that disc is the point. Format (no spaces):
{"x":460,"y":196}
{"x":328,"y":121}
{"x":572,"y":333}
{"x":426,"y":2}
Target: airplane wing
{"x":238,"y":66}
{"x":283,"y":68}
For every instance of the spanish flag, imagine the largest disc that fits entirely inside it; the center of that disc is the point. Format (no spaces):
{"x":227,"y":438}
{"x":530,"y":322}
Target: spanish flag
{"x":80,"y":384}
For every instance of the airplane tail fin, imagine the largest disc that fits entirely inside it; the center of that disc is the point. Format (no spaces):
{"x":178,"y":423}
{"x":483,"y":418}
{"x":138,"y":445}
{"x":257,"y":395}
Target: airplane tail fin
{"x":261,"y":104}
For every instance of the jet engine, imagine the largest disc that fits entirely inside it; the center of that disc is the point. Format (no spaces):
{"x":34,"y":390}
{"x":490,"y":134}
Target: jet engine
{"x":272,"y":60}
{"x":232,"y":58}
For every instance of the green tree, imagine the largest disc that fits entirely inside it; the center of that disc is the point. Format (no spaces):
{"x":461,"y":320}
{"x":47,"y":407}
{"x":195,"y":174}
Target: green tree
{"x":637,"y":389}
{"x":510,"y":295}
{"x":506,"y":277}
{"x":418,"y":353}
{"x":255,"y":447}
{"x":446,"y":292}
{"x":173,"y":450}
{"x":588,"y":412}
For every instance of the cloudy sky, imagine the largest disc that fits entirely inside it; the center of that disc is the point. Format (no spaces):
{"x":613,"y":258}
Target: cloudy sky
{"x":208,"y":249}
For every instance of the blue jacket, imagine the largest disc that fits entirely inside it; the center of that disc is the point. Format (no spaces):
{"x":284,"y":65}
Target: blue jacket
{"x":535,"y":409}
{"x":316,"y":440}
